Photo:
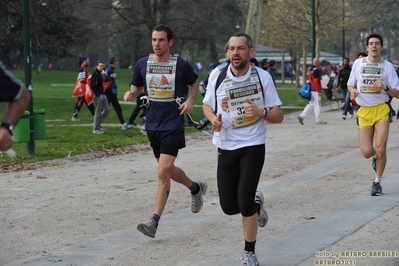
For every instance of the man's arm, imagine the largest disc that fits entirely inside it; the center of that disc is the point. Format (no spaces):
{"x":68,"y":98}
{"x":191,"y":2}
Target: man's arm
{"x":14,"y":111}
{"x":187,"y":106}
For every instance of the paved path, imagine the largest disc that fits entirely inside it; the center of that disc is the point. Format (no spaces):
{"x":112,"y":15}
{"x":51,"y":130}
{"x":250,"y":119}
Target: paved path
{"x":339,"y":222}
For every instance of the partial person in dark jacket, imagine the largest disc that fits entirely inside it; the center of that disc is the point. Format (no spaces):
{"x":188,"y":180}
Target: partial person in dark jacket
{"x":111,"y":92}
{"x":343,"y":76}
{"x":272,"y":68}
{"x":100,"y":101}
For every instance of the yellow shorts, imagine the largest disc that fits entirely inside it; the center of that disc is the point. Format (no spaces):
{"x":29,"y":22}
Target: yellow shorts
{"x":367,"y":116}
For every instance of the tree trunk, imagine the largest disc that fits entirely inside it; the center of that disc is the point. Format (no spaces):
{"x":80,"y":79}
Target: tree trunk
{"x":254,"y":19}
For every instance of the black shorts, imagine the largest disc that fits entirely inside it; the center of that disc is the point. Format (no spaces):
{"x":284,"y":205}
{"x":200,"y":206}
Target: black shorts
{"x":166,"y":142}
{"x":11,"y":87}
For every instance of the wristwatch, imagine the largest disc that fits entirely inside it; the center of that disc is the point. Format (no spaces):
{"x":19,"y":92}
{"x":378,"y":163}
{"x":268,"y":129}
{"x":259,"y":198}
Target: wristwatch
{"x":264,"y":113}
{"x":387,"y":88}
{"x":8,"y":126}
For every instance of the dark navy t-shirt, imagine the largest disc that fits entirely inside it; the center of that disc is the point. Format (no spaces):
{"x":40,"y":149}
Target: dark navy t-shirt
{"x":162,"y":116}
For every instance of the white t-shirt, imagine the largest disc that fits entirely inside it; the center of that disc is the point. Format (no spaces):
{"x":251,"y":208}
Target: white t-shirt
{"x":359,"y":76}
{"x":254,"y":134}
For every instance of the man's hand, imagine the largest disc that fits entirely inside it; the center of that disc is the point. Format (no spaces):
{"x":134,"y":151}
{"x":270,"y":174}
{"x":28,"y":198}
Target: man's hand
{"x":128,"y":96}
{"x":217,"y":123}
{"x":186,"y":107}
{"x":251,"y":110}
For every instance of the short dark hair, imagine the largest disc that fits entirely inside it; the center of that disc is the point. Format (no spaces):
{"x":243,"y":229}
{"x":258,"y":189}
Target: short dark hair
{"x":112,"y":60}
{"x":263,"y":61}
{"x":253,"y":60}
{"x":362,"y":54}
{"x":162,"y":27}
{"x":375,"y":35}
{"x":346,"y":58}
{"x":272,"y":63}
{"x":249,"y":42}
{"x":82,"y":59}
{"x":99,"y":62}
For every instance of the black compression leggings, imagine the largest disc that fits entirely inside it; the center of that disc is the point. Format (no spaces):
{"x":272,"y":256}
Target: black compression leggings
{"x":238,"y":176}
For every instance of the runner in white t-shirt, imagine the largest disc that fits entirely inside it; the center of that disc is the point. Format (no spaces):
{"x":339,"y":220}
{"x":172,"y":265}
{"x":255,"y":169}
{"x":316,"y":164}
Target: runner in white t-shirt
{"x":371,"y":81}
{"x":243,"y":103}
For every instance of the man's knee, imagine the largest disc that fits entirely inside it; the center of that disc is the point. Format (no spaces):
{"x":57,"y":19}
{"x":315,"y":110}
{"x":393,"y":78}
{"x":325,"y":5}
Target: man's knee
{"x":164,"y":173}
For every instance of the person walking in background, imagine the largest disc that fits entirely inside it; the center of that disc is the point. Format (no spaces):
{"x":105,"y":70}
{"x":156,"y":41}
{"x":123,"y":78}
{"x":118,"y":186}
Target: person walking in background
{"x":342,"y":80}
{"x":315,"y":74}
{"x":376,"y":79}
{"x":112,"y":90}
{"x":81,"y":83}
{"x":264,"y":64}
{"x":161,"y":76}
{"x":272,"y":68}
{"x":239,"y":126}
{"x":100,"y":100}
{"x":17,"y":98}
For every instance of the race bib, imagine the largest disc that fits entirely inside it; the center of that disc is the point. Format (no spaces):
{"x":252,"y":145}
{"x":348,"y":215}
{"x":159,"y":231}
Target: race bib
{"x":368,"y":74}
{"x":236,"y":95}
{"x":160,"y":79}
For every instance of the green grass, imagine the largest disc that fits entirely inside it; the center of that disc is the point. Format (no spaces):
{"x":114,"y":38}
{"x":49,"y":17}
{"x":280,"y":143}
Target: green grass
{"x":64,"y":137}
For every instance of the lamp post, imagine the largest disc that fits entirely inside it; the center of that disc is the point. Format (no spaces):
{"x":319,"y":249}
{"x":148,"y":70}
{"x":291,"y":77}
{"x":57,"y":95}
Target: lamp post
{"x":313,"y":29}
{"x":28,"y":75}
{"x":343,"y":29}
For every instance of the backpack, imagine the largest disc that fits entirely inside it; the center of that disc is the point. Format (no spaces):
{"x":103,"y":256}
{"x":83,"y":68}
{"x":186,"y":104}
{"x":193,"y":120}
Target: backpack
{"x":305,"y":91}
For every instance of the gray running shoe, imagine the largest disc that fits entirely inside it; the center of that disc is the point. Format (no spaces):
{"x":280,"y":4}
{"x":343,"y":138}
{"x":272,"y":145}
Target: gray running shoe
{"x":374,"y":162}
{"x":262,"y":216}
{"x":148,"y":229}
{"x":125,"y":126}
{"x":300,"y":119}
{"x":376,"y":189}
{"x":321,"y":123}
{"x":248,"y":259}
{"x":197,"y":201}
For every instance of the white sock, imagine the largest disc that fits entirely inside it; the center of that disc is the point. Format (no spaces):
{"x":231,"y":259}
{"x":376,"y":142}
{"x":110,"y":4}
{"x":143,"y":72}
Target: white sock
{"x":377,"y":179}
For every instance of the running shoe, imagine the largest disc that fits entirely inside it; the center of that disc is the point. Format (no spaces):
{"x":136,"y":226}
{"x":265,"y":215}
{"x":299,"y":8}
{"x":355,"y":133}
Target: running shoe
{"x":262,"y":216}
{"x":149,"y":229}
{"x":248,"y":258}
{"x":98,"y":131}
{"x":376,"y":189}
{"x":197,"y":201}
{"x":300,"y":119}
{"x":125,"y":126}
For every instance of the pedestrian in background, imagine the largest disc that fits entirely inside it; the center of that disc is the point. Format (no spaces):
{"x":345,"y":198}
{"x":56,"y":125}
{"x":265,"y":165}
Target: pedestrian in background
{"x":112,"y":90}
{"x":81,"y":84}
{"x":315,"y":74}
{"x":342,"y":80}
{"x":272,"y":68}
{"x":100,"y":100}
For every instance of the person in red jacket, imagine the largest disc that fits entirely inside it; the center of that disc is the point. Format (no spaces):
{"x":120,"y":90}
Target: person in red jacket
{"x":82,"y":80}
{"x":314,"y":75}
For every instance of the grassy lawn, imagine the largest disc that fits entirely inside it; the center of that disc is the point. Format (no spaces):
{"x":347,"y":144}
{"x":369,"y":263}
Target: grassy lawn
{"x":52,"y":92}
